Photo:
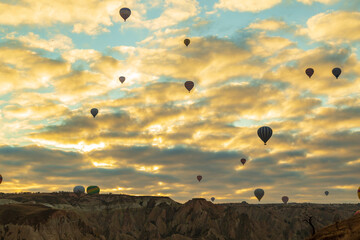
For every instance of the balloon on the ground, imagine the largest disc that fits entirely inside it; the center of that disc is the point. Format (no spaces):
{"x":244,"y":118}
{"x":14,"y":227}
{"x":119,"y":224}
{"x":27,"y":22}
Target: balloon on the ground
{"x":259,"y":193}
{"x":125,"y":13}
{"x":212,"y":199}
{"x":122,"y":79}
{"x":93,"y":190}
{"x":78,"y":190}
{"x":309,"y":72}
{"x":357,"y":212}
{"x":336,"y":72}
{"x":264,"y":133}
{"x":187,"y":42}
{"x":285,"y":199}
{"x":94,"y":112}
{"x":326,"y":193}
{"x":243,"y":161}
{"x":189,"y":85}
{"x":199,"y":178}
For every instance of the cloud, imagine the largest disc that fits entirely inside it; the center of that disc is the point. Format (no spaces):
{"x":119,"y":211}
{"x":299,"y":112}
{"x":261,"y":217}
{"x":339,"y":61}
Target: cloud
{"x":32,"y":40}
{"x":246,"y":5}
{"x":310,"y":2}
{"x":268,"y":24}
{"x":344,"y":26}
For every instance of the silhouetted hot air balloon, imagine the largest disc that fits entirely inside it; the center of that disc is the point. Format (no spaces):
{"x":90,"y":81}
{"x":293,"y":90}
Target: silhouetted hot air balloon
{"x":243,"y":161}
{"x":78,"y":190}
{"x":1,"y":178}
{"x":187,"y":42}
{"x":285,"y":199}
{"x":359,"y":192}
{"x":326,"y":193}
{"x":93,"y":190}
{"x":212,"y":199}
{"x":264,"y":133}
{"x":94,"y":112}
{"x":122,"y":79}
{"x":125,"y":13}
{"x":259,"y":193}
{"x":309,"y":72}
{"x":199,"y":178}
{"x":189,"y":85}
{"x":336,"y":72}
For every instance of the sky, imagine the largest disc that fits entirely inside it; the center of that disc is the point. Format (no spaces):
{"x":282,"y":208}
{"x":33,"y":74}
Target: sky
{"x":151,"y":136}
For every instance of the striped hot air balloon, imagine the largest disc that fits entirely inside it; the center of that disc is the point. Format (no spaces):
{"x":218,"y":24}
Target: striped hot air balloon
{"x":264,"y":133}
{"x":93,"y":190}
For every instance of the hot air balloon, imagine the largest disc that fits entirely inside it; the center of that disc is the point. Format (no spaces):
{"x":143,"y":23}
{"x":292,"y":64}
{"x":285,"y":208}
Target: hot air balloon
{"x":78,"y":190}
{"x":212,"y":199}
{"x":122,"y":79}
{"x":285,"y":199}
{"x":336,"y":72}
{"x":264,"y":133}
{"x":309,"y":72}
{"x":187,"y":42}
{"x":125,"y":13}
{"x":1,"y":178}
{"x":189,"y":85}
{"x":94,"y":112}
{"x":326,"y":193}
{"x":92,"y":190}
{"x":259,"y":193}
{"x":357,"y":212}
{"x":199,"y":178}
{"x":359,"y":192}
{"x":243,"y":161}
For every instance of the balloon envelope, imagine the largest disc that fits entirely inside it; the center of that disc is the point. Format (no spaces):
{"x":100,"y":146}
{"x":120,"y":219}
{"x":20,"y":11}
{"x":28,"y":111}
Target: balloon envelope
{"x":189,"y":85}
{"x":259,"y":193}
{"x":285,"y":199}
{"x":264,"y":133}
{"x":1,"y":178}
{"x":212,"y":199}
{"x":94,"y":112}
{"x":125,"y":13}
{"x":187,"y":42}
{"x":336,"y":72}
{"x":309,"y":72}
{"x":93,"y":190}
{"x":199,"y":178}
{"x":122,"y":79}
{"x":357,"y":212}
{"x":243,"y":161}
{"x":78,"y":190}
{"x":359,"y":192}
{"x":326,"y":193}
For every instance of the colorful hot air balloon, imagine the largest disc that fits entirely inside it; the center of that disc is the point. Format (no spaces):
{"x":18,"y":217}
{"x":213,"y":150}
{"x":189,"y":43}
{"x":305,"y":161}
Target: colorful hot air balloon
{"x":357,"y":212}
{"x":189,"y":85}
{"x":359,"y":192}
{"x":285,"y":199}
{"x":264,"y":133}
{"x":243,"y":161}
{"x":1,"y":178}
{"x":199,"y":178}
{"x":125,"y":13}
{"x":326,"y":193}
{"x":78,"y":190}
{"x":93,"y":190}
{"x":187,"y":42}
{"x":259,"y":193}
{"x":94,"y":112}
{"x":122,"y":79}
{"x":212,"y":199}
{"x":309,"y":72}
{"x":336,"y":72}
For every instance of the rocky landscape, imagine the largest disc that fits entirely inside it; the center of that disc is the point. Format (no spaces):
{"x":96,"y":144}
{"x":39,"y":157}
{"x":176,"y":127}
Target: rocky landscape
{"x":55,"y":216}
